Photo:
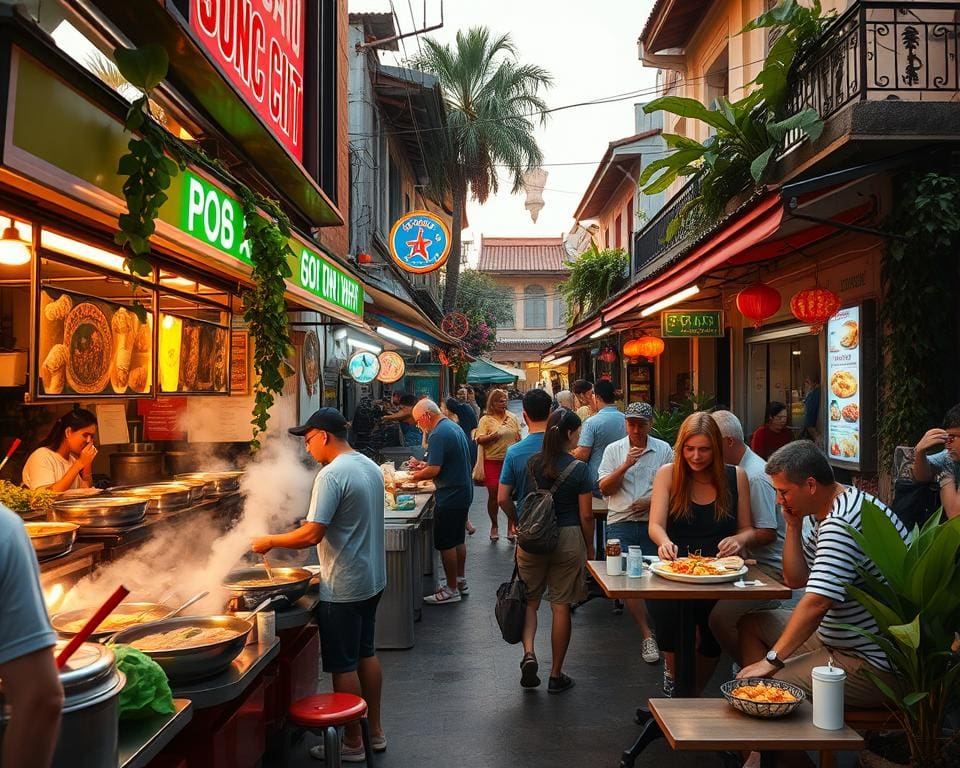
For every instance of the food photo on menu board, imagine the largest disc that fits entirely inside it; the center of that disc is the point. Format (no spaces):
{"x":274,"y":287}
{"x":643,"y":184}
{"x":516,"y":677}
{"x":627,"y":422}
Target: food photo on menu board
{"x":843,"y":376}
{"x":193,"y":356}
{"x":93,"y":347}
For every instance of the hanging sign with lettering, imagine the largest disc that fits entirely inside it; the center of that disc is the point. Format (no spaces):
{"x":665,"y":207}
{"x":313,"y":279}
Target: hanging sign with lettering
{"x":259,"y":47}
{"x":685,"y":323}
{"x":420,"y":242}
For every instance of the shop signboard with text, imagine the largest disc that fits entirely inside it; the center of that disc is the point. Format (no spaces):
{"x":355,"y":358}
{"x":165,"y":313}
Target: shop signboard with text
{"x":844,"y":389}
{"x":686,"y":323}
{"x":259,"y":47}
{"x":419,"y":242}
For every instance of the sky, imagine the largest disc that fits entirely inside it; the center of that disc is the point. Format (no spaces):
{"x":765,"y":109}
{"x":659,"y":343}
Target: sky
{"x":591,"y":53}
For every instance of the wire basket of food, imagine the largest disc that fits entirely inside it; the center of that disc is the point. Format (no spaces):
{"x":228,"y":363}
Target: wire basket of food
{"x":763,"y":697}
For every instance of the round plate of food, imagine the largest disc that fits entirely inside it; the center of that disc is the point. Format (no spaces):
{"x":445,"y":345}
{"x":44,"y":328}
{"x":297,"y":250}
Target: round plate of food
{"x":87,"y":336}
{"x":700,"y":570}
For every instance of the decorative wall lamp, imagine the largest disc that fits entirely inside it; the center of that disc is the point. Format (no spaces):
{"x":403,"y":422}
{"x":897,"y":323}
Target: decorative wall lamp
{"x":14,"y":250}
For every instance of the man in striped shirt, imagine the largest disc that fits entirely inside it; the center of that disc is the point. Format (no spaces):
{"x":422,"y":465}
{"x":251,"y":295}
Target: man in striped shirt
{"x":788,"y":645}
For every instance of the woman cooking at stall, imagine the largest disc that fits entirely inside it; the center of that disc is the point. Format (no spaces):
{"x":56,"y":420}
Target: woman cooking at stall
{"x":65,"y":460}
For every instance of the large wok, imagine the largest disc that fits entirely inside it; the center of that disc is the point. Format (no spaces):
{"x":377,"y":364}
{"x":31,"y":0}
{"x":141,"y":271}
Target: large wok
{"x":187,"y":664}
{"x":51,"y":539}
{"x":149,"y":611}
{"x":291,"y":583}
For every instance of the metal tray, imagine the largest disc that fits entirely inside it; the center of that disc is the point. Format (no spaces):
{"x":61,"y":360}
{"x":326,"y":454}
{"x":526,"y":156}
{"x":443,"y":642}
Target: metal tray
{"x":161,"y":497}
{"x":217,"y":483}
{"x":51,"y":539}
{"x":101,"y":511}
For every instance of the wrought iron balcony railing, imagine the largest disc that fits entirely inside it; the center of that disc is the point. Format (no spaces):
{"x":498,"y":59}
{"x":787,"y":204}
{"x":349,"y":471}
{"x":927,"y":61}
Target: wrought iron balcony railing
{"x":881,"y":51}
{"x":651,"y":242}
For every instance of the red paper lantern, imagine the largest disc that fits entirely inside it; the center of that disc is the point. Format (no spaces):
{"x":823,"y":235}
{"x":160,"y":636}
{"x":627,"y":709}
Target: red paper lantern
{"x":758,"y":302}
{"x":649,"y":347}
{"x":608,"y":355}
{"x":815,"y":306}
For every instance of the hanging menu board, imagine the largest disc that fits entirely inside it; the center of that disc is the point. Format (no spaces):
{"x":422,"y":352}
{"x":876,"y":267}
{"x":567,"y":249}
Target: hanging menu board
{"x":844,"y":392}
{"x":193,"y":356}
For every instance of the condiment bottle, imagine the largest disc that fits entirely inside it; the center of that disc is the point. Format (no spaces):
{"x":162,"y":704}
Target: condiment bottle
{"x":828,"y":685}
{"x":634,"y":561}
{"x":614,"y":558}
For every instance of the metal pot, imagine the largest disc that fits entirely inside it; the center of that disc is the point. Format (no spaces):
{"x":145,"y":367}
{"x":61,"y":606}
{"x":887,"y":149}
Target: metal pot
{"x":218,"y":483}
{"x":180,"y":462}
{"x":101,"y":511}
{"x":89,"y":723}
{"x":198,"y":489}
{"x":136,"y":464}
{"x":185,"y":664}
{"x":161,"y":497}
{"x":293,"y":584}
{"x":51,"y":539}
{"x":150,"y":611}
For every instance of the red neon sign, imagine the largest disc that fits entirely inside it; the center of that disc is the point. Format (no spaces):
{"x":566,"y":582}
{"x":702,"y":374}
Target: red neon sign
{"x":259,"y":45}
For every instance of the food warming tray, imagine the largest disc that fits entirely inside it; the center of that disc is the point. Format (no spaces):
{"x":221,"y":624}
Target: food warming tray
{"x":217,"y":483}
{"x":51,"y":539}
{"x":161,"y":497}
{"x":101,"y":511}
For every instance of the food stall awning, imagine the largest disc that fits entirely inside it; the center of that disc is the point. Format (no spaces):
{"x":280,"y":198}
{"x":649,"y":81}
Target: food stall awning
{"x":579,"y":333}
{"x":483,"y":371}
{"x":386,"y":309}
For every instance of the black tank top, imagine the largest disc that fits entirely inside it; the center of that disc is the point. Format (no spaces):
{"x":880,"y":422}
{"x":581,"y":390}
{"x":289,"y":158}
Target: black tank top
{"x":701,"y":532}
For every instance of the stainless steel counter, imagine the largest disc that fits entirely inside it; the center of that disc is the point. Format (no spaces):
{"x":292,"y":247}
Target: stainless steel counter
{"x":141,"y":740}
{"x":229,"y":684}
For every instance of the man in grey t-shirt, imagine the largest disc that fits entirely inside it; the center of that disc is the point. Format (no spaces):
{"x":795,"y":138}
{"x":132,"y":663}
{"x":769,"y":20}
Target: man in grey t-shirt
{"x":30,"y":680}
{"x":606,"y":426}
{"x":345,"y":523}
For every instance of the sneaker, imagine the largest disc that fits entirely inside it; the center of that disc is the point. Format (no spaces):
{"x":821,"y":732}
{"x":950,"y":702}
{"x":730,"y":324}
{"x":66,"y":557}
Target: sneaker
{"x":347,"y":754}
{"x":667,"y":683}
{"x":649,"y":650}
{"x":528,"y":671}
{"x":379,"y":743}
{"x":462,"y":587}
{"x":443,"y":595}
{"x":559,"y":684}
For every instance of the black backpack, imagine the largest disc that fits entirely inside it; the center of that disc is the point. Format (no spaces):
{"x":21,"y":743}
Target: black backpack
{"x":537,"y":529}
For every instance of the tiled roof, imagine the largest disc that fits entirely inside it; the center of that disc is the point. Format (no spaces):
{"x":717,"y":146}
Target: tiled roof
{"x":523,"y":345}
{"x":522,"y":254}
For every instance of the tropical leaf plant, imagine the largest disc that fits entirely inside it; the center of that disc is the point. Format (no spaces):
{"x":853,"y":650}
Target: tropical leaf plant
{"x":595,"y":275}
{"x":915,"y":603}
{"x":493,"y":105}
{"x":748,"y":132}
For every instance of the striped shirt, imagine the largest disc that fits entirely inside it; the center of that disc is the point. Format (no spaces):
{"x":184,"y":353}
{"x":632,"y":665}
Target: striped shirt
{"x":832,"y":556}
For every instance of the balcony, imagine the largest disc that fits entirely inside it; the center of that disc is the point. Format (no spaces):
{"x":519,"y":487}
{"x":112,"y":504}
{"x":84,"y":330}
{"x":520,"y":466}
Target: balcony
{"x":650,"y":243}
{"x":881,"y":51}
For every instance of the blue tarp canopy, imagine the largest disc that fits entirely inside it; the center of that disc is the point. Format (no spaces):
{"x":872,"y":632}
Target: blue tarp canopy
{"x":483,"y":371}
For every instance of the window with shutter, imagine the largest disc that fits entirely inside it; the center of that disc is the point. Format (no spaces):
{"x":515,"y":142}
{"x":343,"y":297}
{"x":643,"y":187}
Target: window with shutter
{"x":534,"y":307}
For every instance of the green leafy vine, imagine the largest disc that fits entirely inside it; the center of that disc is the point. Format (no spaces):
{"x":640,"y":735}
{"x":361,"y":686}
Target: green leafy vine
{"x":154,"y":158}
{"x":919,"y":274}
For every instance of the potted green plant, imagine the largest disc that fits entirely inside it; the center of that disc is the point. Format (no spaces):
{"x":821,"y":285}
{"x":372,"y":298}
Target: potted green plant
{"x":916,"y":604}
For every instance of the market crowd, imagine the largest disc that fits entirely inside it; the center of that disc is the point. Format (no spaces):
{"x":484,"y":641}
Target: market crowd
{"x":709,"y":494}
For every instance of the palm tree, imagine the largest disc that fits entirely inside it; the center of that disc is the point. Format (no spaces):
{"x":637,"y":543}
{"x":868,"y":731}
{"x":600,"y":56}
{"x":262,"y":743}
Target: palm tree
{"x":491,"y":104}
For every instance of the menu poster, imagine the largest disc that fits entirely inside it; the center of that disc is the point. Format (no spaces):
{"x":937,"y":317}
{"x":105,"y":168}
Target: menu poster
{"x":194,"y":356}
{"x":844,"y":387}
{"x":87,"y":346}
{"x":163,"y":418}
{"x":239,"y":362}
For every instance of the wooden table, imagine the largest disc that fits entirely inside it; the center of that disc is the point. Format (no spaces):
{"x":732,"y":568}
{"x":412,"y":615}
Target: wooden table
{"x":652,"y":587}
{"x":712,"y":724}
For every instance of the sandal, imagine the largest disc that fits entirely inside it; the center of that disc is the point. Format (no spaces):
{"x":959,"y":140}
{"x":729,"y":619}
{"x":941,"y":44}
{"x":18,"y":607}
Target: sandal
{"x":528,"y":671}
{"x":559,"y":684}
{"x":494,"y":535}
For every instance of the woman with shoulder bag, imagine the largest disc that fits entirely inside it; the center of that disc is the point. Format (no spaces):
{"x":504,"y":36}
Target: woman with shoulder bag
{"x":562,"y":572}
{"x":498,"y":430}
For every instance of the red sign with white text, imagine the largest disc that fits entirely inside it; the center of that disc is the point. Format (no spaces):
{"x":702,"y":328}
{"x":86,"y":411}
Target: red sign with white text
{"x":163,"y":418}
{"x":259,"y":45}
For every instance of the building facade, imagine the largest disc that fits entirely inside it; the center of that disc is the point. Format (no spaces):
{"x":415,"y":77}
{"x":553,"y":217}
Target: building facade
{"x":529,"y":269}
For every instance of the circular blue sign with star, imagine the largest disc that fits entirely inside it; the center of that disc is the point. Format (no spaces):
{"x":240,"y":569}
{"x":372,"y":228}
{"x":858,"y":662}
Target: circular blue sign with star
{"x":420,"y":242}
{"x":363,"y":367}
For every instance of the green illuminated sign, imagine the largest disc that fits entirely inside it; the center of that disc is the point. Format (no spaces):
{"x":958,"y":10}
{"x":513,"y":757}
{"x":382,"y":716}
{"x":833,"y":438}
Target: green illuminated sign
{"x":683,"y":324}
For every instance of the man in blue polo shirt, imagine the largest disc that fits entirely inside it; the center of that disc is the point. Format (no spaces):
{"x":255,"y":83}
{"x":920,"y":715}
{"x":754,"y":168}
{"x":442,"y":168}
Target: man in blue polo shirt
{"x":513,"y":476}
{"x":606,"y":426}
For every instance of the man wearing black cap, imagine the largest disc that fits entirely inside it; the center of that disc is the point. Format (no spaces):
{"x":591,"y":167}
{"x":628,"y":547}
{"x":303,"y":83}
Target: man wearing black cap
{"x":345,"y":523}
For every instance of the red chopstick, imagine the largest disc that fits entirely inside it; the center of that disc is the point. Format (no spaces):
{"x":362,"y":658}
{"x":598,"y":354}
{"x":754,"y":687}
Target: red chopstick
{"x":91,"y":626}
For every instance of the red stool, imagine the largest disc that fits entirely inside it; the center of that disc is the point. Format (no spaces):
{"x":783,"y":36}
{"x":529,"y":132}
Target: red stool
{"x":326,"y":712}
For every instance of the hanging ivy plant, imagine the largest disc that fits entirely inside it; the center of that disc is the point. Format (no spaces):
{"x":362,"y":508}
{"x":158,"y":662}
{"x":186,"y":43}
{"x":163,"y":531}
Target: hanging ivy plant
{"x":919,"y":274}
{"x":154,"y":158}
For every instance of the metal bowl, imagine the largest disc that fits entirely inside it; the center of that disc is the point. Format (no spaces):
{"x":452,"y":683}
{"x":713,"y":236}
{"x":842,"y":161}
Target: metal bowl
{"x":217,"y":483}
{"x":51,"y":539}
{"x":161,"y":497}
{"x":150,"y":612}
{"x":293,"y":584}
{"x":762,"y":709}
{"x":101,"y":511}
{"x":198,"y":489}
{"x":186,"y":664}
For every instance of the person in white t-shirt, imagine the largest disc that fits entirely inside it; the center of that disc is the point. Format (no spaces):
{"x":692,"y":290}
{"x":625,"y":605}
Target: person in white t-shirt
{"x":65,"y":460}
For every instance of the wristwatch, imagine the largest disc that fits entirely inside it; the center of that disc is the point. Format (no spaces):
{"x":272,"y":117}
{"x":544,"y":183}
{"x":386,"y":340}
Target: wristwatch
{"x":774,"y":659}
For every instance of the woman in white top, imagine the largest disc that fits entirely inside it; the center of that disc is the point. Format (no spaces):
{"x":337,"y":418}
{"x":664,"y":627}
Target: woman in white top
{"x":65,"y":459}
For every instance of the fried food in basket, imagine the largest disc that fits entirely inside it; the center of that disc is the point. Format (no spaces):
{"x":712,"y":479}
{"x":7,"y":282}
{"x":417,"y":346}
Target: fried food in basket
{"x":763,"y":693}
